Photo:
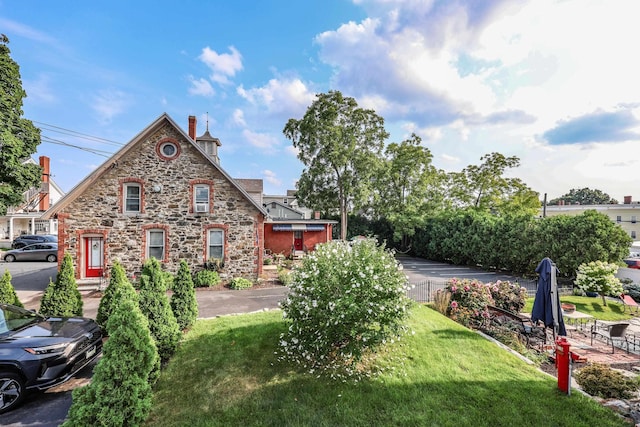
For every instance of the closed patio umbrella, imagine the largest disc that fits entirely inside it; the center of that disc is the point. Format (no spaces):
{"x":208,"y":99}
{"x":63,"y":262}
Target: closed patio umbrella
{"x":546,"y":305}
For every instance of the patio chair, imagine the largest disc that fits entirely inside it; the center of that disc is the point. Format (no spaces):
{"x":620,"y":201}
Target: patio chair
{"x":612,"y":332}
{"x":629,"y":302}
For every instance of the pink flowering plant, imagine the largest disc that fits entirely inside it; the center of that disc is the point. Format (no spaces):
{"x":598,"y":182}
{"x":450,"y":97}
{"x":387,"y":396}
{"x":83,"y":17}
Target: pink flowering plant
{"x":507,"y":295}
{"x":346,"y":302}
{"x":469,"y":301}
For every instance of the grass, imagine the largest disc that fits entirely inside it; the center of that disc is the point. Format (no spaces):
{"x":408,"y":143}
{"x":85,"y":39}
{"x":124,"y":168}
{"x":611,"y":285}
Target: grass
{"x":613,"y":311}
{"x":226,"y":374}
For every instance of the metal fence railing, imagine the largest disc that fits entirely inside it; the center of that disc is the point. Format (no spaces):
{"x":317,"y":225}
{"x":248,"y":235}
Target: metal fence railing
{"x":424,"y":290}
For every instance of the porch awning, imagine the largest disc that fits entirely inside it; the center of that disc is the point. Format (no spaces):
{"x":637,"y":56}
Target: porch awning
{"x":298,"y":227}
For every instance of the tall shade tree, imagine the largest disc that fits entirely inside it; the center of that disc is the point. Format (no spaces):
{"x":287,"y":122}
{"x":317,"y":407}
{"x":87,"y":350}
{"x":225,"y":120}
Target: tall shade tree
{"x":19,"y":138}
{"x":585,"y":196}
{"x":340,"y":146}
{"x":406,"y":188}
{"x":485,"y":188}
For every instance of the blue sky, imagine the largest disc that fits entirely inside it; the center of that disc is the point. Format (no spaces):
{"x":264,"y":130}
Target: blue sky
{"x":553,"y":82}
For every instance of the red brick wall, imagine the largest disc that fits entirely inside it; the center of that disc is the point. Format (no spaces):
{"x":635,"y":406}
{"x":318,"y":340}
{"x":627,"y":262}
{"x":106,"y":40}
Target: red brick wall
{"x":282,"y":241}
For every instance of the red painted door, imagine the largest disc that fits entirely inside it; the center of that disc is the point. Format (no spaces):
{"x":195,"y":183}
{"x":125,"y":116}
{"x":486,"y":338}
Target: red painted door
{"x":297,"y":240}
{"x":94,"y":254}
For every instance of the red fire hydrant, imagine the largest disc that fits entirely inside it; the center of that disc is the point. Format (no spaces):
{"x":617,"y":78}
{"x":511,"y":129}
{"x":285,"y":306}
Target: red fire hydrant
{"x":563,"y":364}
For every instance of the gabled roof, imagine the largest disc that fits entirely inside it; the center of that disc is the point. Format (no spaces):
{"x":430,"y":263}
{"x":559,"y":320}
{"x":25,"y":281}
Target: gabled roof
{"x":149,"y":130}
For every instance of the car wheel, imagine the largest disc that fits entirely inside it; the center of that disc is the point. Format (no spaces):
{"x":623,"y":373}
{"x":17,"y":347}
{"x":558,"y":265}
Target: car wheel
{"x":11,"y":391}
{"x":9,"y":258}
{"x":52,"y":258}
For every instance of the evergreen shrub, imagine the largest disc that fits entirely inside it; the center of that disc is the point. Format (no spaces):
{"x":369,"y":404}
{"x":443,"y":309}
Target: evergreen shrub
{"x":7,"y":291}
{"x":183,"y":301}
{"x":120,"y":391}
{"x":62,"y":297}
{"x":118,"y":284}
{"x":154,"y":304}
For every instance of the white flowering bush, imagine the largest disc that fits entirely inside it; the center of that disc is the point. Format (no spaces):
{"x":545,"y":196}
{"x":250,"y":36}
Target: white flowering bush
{"x":599,"y":277}
{"x":346,"y":301}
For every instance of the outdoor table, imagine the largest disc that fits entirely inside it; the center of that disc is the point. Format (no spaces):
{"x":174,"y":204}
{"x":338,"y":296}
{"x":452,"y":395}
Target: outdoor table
{"x":576,"y":317}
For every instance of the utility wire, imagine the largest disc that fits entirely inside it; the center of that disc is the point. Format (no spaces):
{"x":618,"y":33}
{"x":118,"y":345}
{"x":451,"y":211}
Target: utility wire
{"x":50,"y":140}
{"x":58,"y":129}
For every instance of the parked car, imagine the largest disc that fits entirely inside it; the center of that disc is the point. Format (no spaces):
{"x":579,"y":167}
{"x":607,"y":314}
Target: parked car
{"x":632,"y":262}
{"x":38,"y":252}
{"x":37,"y":352}
{"x":30,"y":239}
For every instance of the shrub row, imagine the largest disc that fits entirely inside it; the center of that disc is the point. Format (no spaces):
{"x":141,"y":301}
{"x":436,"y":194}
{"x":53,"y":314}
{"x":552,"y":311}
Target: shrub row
{"x":518,"y":243}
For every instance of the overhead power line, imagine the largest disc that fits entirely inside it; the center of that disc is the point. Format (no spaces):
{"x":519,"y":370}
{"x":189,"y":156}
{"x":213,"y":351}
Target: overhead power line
{"x":58,"y":129}
{"x":50,"y":140}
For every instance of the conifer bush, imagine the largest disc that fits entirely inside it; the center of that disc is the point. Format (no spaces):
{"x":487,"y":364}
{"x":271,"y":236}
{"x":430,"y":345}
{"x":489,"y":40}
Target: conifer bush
{"x":7,"y":291}
{"x":62,"y":297}
{"x":120,"y":391}
{"x":154,"y":304}
{"x":183,"y":301}
{"x":346,"y":301}
{"x":118,"y":283}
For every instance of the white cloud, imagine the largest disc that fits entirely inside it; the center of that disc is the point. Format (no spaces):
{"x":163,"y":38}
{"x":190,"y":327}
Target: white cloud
{"x":261,"y":140}
{"x":222,"y":65}
{"x":292,"y":150}
{"x":287,"y":97}
{"x":39,"y":90}
{"x":238,"y":117}
{"x":110,"y":103}
{"x":271,"y":177}
{"x":200,"y":87}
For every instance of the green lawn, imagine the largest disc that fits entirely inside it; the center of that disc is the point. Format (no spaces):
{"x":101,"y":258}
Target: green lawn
{"x":613,"y":311}
{"x":225,"y":374}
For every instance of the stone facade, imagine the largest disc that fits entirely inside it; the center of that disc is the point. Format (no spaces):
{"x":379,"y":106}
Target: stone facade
{"x":166,"y":203}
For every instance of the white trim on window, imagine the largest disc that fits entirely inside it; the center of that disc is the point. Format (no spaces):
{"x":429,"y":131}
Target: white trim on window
{"x":132,"y":197}
{"x":155,"y":244}
{"x":201,"y":198}
{"x":215,"y":243}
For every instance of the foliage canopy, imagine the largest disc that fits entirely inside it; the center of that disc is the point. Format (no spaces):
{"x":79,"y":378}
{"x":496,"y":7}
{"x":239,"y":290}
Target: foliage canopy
{"x":19,"y":138}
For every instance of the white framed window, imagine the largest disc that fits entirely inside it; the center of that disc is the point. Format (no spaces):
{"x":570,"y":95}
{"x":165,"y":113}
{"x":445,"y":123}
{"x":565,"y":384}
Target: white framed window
{"x":215,"y":244}
{"x":633,"y":234}
{"x":155,"y":244}
{"x":201,"y":199}
{"x":619,"y":218}
{"x":132,"y":198}
{"x":633,"y":219}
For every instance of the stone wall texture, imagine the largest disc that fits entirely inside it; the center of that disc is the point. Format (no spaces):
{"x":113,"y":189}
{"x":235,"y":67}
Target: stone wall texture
{"x":167,"y":204}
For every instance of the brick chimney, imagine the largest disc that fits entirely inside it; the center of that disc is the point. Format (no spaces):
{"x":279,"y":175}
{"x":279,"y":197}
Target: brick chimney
{"x":627,"y":200}
{"x":316,"y":215}
{"x":44,"y":188}
{"x":192,"y":127}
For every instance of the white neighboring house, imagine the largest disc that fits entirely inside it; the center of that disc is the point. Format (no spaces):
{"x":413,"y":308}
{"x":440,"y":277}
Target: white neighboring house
{"x":288,"y":200}
{"x":25,"y":218}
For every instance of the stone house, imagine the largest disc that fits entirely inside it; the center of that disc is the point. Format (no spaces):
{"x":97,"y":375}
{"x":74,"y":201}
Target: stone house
{"x":163,"y":195}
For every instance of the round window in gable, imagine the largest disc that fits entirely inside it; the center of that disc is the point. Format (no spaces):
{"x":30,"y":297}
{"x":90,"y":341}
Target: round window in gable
{"x":168,"y":149}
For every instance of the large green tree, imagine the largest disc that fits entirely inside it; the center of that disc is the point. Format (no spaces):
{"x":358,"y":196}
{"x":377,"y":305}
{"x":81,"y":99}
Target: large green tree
{"x":340,"y":145}
{"x":584,"y":196}
{"x":19,"y":138}
{"x":405,"y":193}
{"x":485,"y":187}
